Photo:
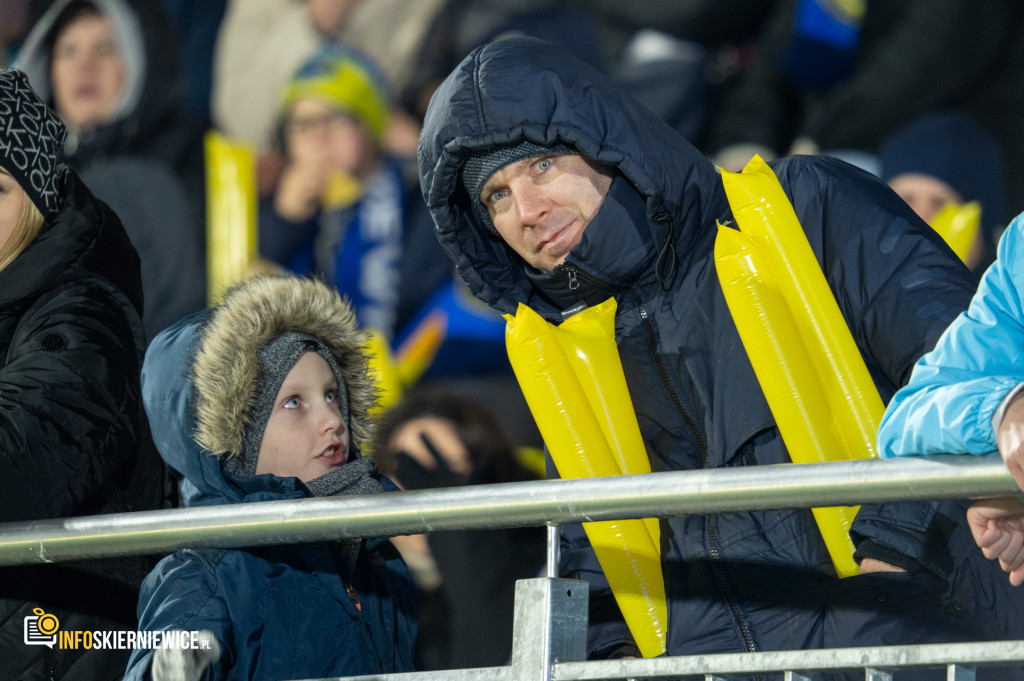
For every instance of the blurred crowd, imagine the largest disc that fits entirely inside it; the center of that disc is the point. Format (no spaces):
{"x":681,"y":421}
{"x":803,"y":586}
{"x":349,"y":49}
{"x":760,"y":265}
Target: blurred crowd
{"x":330,"y":96}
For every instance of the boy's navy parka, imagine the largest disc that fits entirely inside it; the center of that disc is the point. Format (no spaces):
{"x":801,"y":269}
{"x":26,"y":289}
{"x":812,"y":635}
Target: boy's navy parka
{"x":738,"y":581}
{"x":278,"y":612}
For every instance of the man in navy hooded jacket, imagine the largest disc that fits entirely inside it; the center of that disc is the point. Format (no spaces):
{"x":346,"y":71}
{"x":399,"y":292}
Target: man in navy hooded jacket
{"x":551,"y":188}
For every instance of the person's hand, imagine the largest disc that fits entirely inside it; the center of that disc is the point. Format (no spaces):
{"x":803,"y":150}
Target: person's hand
{"x":869,"y":565}
{"x":414,"y":475}
{"x":299,"y":191}
{"x":1010,"y":438}
{"x":185,"y":664}
{"x":998,"y":529}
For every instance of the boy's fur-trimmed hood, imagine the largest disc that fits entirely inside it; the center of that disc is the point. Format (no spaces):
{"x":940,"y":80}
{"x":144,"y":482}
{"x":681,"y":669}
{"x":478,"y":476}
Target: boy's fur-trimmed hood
{"x":225,"y":368}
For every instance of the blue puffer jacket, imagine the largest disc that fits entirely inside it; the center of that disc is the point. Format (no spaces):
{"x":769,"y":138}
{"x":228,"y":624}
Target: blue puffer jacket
{"x":953,"y":393}
{"x":737,"y":581}
{"x":279,"y":612}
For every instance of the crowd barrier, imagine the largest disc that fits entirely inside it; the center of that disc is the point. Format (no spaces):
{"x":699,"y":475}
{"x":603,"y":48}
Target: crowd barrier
{"x":549,"y":636}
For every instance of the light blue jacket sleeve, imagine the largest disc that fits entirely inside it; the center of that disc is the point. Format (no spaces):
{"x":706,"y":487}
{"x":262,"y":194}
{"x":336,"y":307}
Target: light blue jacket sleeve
{"x":954,"y":390}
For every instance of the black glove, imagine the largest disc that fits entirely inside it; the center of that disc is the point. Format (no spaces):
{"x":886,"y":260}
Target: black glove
{"x":414,"y":475}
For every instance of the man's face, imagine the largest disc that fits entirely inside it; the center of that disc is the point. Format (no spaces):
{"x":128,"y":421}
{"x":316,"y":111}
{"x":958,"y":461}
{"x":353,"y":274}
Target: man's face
{"x":88,"y":72}
{"x":541,"y":205}
{"x":11,"y":198}
{"x":924,"y":193}
{"x":306,"y":436}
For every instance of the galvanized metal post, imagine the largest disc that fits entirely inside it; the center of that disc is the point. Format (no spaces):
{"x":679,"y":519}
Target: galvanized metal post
{"x":549,"y":626}
{"x":958,"y":672}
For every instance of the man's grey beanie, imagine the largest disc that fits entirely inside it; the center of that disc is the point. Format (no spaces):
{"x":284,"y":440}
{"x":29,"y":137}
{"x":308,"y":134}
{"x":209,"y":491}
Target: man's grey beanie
{"x":479,"y":167}
{"x":276,"y":359}
{"x":31,"y":135}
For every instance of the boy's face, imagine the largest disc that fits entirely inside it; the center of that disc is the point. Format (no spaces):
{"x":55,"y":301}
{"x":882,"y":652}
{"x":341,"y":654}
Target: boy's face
{"x":320,"y":134}
{"x":306,"y":435}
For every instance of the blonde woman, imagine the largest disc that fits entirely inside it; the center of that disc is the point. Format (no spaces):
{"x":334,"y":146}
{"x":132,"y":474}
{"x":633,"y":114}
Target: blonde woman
{"x":71,"y":420}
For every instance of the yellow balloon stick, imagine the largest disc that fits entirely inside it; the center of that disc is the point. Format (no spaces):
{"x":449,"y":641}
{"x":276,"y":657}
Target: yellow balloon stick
{"x":384,"y":370}
{"x":625,"y":549}
{"x":791,"y":387}
{"x":763,"y":212}
{"x":958,"y":225}
{"x":230,"y":213}
{"x":588,"y":341}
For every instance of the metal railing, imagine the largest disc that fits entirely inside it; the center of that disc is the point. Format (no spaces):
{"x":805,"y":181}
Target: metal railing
{"x":551,"y":614}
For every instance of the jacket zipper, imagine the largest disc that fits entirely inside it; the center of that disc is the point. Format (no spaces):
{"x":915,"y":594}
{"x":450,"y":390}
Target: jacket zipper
{"x":350,"y":590}
{"x":709,"y":520}
{"x":702,"y":451}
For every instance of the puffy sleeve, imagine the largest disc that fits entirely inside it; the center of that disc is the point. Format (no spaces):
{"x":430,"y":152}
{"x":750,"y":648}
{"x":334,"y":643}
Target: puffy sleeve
{"x":70,"y":406}
{"x":954,"y":390}
{"x":183,"y":594}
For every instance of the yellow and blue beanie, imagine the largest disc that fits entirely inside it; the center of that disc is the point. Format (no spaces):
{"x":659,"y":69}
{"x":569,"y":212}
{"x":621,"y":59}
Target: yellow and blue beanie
{"x":347,"y":79}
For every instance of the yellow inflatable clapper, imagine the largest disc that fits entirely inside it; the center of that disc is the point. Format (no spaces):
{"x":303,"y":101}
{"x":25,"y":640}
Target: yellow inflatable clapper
{"x":572,"y":379}
{"x":810,"y":369}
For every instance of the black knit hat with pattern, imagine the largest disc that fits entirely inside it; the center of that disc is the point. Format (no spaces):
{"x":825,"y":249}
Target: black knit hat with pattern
{"x":479,"y":167}
{"x":30,"y":137}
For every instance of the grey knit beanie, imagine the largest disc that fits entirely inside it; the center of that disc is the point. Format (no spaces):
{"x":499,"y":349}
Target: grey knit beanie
{"x":276,"y":359}
{"x":479,"y":167}
{"x":30,"y":137}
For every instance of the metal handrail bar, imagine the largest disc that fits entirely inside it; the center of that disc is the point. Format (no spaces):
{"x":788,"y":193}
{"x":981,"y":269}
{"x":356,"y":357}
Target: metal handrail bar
{"x":666,"y":494}
{"x":888,"y":658}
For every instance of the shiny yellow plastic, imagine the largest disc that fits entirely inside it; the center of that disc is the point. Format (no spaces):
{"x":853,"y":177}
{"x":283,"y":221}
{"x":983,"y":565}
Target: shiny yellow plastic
{"x":414,"y":355}
{"x":572,"y":429}
{"x":588,"y":341}
{"x":384,"y":371}
{"x":791,"y":387}
{"x":764,"y":213}
{"x":798,"y":342}
{"x":231,"y":241}
{"x":958,"y":224}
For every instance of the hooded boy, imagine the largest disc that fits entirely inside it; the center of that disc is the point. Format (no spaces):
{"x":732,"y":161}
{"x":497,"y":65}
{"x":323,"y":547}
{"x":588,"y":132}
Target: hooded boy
{"x":264,"y":397}
{"x":550,"y":187}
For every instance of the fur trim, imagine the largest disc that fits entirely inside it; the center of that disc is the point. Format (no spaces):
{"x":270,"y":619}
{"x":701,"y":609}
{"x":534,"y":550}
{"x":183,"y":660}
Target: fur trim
{"x":226,"y":368}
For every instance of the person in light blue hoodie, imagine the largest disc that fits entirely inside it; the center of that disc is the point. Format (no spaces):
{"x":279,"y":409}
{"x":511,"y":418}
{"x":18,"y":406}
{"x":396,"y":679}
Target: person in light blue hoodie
{"x":966,"y":396}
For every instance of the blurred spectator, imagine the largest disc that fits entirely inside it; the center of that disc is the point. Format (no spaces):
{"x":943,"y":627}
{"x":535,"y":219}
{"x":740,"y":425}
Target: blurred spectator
{"x":440,"y":438}
{"x":198,"y":23}
{"x":668,"y":55}
{"x":839,"y":82}
{"x":74,"y":440}
{"x":110,"y":70}
{"x":945,"y":157}
{"x":15,"y":20}
{"x":259,"y":46}
{"x":262,"y":42}
{"x":342,"y":207}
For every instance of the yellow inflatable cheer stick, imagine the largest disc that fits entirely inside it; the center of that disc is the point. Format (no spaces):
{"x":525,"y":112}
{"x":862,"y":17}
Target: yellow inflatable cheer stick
{"x":958,"y":225}
{"x":588,"y":341}
{"x":628,"y":556}
{"x":384,"y":369}
{"x":230,"y":213}
{"x":793,"y":391}
{"x":764,"y":213}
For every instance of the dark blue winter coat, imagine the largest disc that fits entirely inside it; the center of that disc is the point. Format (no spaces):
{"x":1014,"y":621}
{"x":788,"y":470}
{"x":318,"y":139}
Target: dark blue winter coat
{"x":278,"y":612}
{"x":736,"y":581}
